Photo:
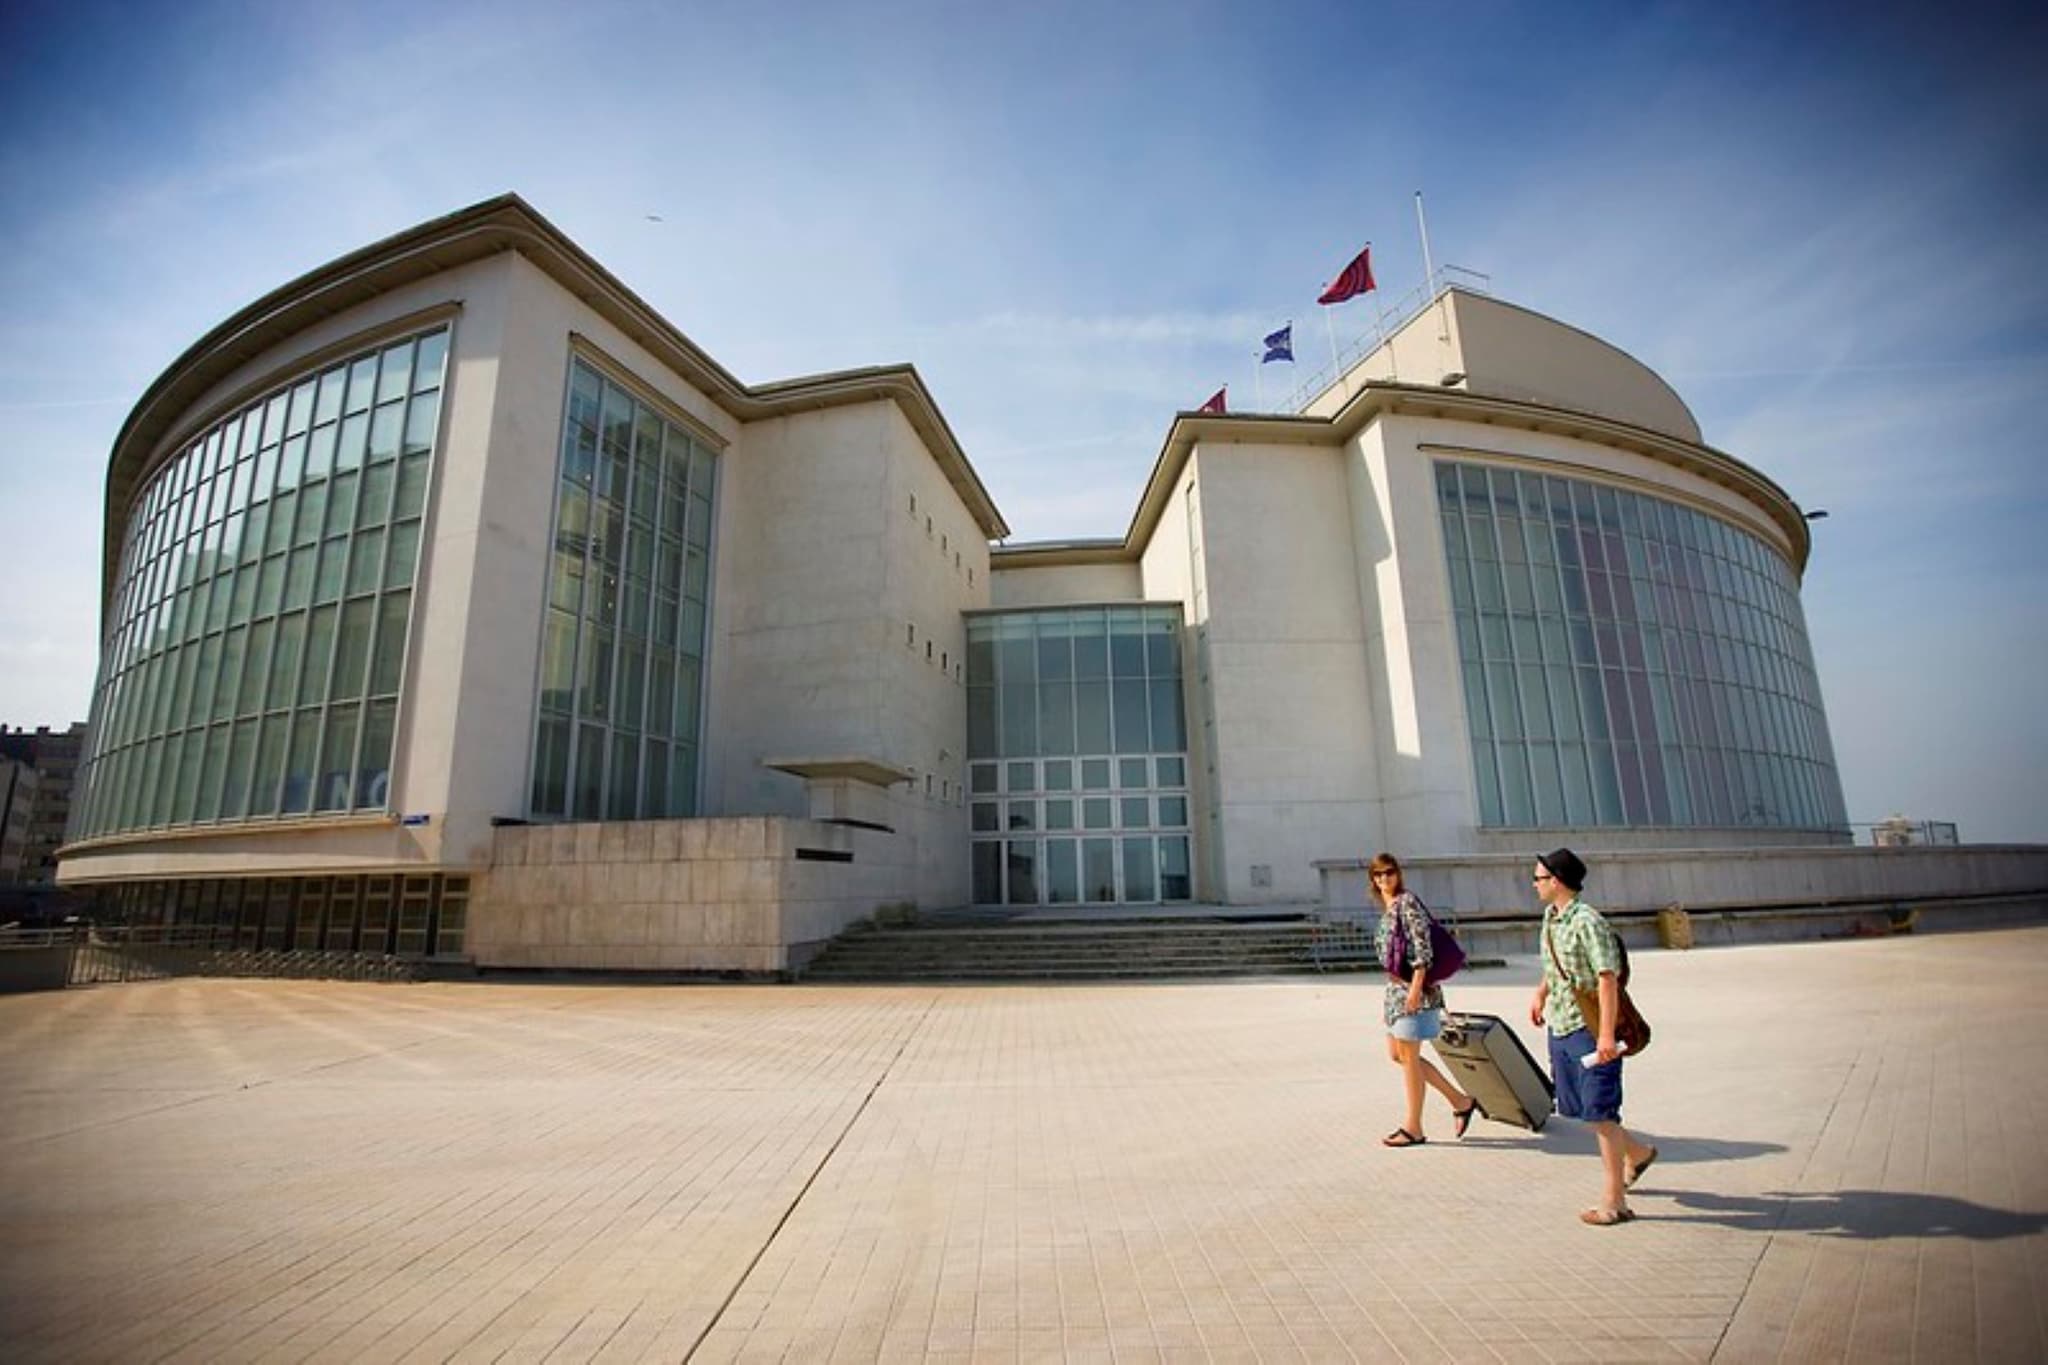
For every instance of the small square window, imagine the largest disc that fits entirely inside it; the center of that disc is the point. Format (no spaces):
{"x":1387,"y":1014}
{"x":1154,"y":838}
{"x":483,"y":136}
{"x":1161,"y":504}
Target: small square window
{"x":1172,"y":772}
{"x":986,"y":819}
{"x":1094,"y":774}
{"x":1059,"y":774}
{"x":1020,"y":777}
{"x":1137,"y":812}
{"x":984,"y":776}
{"x":1022,"y":815}
{"x":1059,"y":813}
{"x":1095,"y":812}
{"x":1173,"y":811}
{"x":1130,"y":772}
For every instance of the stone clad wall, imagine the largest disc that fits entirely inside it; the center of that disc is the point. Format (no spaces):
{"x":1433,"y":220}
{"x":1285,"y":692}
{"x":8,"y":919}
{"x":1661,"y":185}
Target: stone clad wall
{"x":728,"y":895}
{"x":1711,"y":879}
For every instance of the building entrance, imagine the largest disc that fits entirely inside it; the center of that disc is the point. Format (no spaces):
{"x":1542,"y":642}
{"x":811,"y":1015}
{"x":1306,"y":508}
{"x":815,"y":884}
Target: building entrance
{"x":1077,"y":772}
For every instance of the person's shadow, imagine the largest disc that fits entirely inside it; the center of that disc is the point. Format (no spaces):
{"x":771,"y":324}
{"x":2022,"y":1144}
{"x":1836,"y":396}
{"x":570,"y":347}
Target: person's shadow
{"x":1861,"y":1215}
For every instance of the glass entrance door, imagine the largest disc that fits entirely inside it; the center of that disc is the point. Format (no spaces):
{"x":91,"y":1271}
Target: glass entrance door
{"x":1086,"y":831}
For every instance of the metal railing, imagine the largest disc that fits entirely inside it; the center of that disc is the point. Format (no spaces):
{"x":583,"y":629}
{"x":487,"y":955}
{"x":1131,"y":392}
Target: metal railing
{"x":1898,"y":833}
{"x":1342,"y":940}
{"x":1388,"y":319}
{"x":90,"y":955}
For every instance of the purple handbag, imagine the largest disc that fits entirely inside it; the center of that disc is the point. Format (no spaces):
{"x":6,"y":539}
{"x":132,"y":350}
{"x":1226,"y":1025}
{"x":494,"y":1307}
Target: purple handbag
{"x":1446,"y":956}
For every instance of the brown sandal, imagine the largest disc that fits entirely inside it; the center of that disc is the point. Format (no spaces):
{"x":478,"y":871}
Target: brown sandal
{"x":1401,"y":1137}
{"x":1606,"y":1218}
{"x":1631,"y":1173}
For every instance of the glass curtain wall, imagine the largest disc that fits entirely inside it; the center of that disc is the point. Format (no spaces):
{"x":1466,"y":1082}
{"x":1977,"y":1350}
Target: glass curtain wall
{"x":622,"y":652}
{"x":257,"y":631}
{"x":1077,"y":757}
{"x":1629,"y":661}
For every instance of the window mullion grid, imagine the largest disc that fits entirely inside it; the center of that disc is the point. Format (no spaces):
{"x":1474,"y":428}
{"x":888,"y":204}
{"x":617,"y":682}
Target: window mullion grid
{"x":379,"y":589}
{"x":638,"y":470}
{"x":1507,"y":616}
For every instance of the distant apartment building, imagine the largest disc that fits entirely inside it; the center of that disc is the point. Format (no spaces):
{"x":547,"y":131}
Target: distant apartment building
{"x":17,"y":798}
{"x":52,"y":756}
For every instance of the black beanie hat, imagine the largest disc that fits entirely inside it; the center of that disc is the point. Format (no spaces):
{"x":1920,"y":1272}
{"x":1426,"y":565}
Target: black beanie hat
{"x":1566,"y":867}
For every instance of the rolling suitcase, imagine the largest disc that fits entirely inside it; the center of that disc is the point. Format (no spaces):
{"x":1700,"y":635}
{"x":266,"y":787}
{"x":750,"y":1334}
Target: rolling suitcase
{"x":1489,"y":1063}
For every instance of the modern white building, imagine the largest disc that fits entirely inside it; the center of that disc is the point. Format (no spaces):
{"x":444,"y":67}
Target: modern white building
{"x":455,"y":602}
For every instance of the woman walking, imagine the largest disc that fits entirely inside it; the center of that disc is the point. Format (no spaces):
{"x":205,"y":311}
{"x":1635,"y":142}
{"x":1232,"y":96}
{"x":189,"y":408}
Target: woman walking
{"x":1414,"y":1005}
{"x":1580,"y":953}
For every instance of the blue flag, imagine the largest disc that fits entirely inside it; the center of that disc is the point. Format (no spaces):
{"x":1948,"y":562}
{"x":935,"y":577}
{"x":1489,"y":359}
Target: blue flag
{"x":1280,"y":345}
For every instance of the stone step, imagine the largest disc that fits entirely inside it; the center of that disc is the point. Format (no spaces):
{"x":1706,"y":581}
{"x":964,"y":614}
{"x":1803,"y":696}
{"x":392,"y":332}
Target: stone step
{"x":984,"y":946}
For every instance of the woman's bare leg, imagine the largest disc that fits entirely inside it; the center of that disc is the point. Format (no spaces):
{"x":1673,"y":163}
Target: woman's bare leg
{"x":1412,"y":1082}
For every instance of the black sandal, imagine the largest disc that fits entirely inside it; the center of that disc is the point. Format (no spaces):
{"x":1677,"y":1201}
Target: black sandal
{"x":1461,"y":1119}
{"x":1401,"y":1137}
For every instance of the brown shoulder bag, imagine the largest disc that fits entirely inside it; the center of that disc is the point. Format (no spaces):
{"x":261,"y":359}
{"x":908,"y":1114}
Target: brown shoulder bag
{"x":1631,"y":1030}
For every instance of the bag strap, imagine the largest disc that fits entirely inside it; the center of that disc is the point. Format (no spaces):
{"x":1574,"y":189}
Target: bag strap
{"x":1550,"y":944}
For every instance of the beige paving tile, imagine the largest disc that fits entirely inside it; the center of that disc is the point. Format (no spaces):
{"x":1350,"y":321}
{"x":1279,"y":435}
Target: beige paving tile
{"x":214,"y":1170}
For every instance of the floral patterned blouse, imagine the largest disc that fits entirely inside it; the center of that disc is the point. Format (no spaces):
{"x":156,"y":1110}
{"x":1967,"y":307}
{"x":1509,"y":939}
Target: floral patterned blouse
{"x":1414,"y":922}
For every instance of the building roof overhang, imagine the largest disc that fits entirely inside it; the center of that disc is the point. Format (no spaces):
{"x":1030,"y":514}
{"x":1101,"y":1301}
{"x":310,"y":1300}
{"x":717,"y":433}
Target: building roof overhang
{"x":163,"y":419}
{"x":1380,"y":399}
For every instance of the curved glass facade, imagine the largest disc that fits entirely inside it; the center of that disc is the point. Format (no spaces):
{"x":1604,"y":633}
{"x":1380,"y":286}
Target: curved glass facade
{"x":1629,"y":661}
{"x":622,"y":650}
{"x":1077,"y":757}
{"x":257,"y":631}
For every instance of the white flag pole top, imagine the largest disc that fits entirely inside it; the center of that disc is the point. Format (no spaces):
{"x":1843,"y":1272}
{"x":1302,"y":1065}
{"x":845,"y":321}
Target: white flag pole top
{"x":1428,"y":267}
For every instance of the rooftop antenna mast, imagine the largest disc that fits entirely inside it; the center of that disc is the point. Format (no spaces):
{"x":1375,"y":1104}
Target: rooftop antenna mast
{"x":1443,"y":321}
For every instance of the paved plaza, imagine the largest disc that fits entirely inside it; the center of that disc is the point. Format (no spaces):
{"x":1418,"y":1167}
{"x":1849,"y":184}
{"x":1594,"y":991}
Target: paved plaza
{"x":1854,"y":1166}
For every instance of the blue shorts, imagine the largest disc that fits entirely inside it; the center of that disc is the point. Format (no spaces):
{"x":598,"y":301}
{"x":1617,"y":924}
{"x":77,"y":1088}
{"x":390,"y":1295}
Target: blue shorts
{"x":1418,"y":1027}
{"x":1591,"y":1093}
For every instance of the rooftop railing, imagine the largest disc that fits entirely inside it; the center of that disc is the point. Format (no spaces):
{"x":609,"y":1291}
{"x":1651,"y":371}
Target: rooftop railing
{"x":1388,"y":318}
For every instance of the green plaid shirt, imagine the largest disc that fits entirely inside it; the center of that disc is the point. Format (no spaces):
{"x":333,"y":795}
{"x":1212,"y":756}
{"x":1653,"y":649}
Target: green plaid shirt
{"x":1586,"y":947}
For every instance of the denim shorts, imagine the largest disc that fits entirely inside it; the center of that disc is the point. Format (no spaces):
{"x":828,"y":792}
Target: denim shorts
{"x":1591,"y":1093}
{"x":1418,"y":1027}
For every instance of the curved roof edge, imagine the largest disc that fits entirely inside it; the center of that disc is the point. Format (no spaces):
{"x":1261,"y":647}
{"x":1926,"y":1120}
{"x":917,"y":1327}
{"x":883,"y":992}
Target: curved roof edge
{"x":1475,"y":345}
{"x":504,"y":223}
{"x":1379,"y":398}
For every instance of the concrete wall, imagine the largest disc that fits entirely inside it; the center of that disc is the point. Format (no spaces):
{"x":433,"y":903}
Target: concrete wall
{"x":1709,"y":879}
{"x":1287,"y":667}
{"x":714,"y":895}
{"x":1510,"y":352}
{"x":1056,"y":585}
{"x":837,"y":624}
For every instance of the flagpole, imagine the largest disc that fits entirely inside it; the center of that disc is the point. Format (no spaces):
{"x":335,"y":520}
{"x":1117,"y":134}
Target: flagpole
{"x":1428,"y":268}
{"x":1443,"y":321}
{"x":1380,"y":329}
{"x":1336,"y":366}
{"x":1259,"y":377}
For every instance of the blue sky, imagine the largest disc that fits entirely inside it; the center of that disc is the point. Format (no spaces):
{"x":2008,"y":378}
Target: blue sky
{"x":1075,"y":219}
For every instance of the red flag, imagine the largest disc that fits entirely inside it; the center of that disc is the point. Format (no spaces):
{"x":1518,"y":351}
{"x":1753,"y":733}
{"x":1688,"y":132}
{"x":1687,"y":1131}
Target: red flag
{"x":1215,"y":403}
{"x":1356,"y":279}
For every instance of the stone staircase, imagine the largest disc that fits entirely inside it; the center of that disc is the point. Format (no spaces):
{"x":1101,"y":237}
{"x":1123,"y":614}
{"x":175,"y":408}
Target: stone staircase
{"x":1142,"y":942}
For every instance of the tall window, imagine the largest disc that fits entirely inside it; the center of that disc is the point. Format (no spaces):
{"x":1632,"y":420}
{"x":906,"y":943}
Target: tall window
{"x":1077,"y":749}
{"x":1629,"y":661}
{"x":257,"y":635}
{"x":622,"y":651}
